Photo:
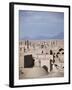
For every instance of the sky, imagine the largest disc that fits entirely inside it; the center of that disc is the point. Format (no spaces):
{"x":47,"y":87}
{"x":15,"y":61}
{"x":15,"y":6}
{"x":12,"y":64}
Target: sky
{"x":34,"y":24}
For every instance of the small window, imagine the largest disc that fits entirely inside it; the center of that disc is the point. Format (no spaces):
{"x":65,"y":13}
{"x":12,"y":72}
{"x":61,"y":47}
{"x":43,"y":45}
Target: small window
{"x":62,"y":52}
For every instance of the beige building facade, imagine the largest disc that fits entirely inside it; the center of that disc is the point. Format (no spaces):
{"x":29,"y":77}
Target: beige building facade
{"x":45,"y":54}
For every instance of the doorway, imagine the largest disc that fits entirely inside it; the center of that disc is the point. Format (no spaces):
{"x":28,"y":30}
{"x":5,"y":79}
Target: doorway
{"x":28,"y":61}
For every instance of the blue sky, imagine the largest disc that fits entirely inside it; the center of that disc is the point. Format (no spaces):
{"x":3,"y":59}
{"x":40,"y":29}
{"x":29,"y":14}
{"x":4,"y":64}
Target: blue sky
{"x":33,"y":24}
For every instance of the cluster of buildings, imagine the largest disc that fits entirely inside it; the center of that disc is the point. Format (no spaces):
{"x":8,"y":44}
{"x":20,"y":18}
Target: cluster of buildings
{"x":47,"y":54}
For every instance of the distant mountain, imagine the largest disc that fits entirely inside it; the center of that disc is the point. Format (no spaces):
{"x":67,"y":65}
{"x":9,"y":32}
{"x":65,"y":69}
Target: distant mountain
{"x":59,"y":36}
{"x":41,"y":38}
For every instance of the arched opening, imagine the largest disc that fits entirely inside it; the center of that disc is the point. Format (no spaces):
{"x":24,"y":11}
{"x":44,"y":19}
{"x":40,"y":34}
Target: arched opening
{"x":51,"y":52}
{"x":61,"y":49}
{"x":62,"y":52}
{"x":45,"y":68}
